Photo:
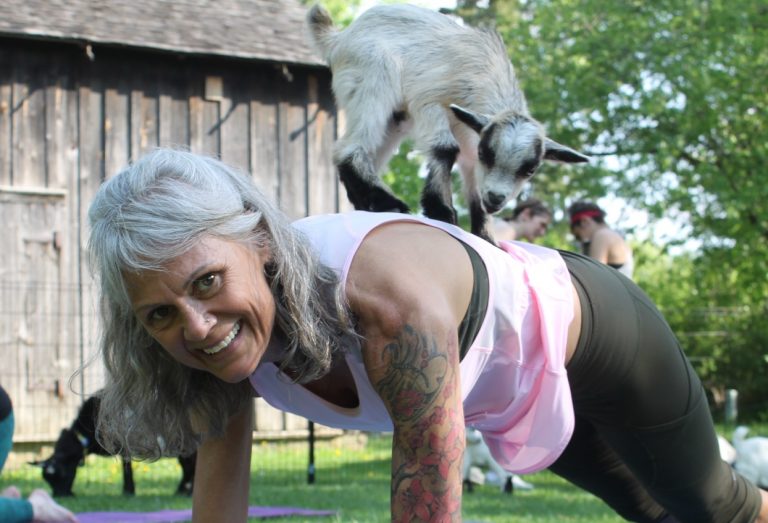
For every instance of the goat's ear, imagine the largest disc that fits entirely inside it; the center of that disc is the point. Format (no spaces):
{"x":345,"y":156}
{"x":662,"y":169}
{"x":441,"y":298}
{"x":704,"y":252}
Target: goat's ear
{"x":476,"y":121}
{"x":560,"y":153}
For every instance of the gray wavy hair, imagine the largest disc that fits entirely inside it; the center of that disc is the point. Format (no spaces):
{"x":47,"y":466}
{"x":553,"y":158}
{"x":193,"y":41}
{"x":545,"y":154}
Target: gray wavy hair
{"x":156,"y":210}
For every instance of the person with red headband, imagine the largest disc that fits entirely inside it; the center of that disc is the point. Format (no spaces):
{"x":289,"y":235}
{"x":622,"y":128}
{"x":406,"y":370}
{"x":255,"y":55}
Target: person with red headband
{"x":599,"y":241}
{"x":528,"y":221}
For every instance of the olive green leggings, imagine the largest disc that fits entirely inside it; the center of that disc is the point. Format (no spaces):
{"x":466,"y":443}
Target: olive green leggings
{"x":644,"y":440}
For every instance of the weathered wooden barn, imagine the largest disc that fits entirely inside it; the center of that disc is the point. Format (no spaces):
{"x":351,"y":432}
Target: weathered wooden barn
{"x":86,"y":86}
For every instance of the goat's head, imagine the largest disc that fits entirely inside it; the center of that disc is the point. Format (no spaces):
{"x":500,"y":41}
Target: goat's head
{"x":511,"y":148}
{"x":473,"y":436}
{"x":60,"y":469}
{"x":740,"y":434}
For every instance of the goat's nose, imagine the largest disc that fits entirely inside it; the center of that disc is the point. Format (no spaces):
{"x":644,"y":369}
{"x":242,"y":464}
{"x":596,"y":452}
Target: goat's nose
{"x":495,"y":199}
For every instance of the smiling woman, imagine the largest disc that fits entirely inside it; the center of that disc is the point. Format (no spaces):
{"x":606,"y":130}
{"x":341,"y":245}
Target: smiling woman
{"x":170,"y":258}
{"x":388,"y":322}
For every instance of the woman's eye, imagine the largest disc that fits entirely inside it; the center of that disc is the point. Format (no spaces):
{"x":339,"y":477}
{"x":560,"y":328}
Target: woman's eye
{"x":158,"y":315}
{"x":206,"y":284}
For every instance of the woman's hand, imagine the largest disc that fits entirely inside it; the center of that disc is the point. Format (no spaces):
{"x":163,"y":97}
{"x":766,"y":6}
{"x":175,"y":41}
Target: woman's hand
{"x":45,"y":509}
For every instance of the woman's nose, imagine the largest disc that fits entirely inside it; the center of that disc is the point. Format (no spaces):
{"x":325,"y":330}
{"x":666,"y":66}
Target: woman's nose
{"x":197,"y":323}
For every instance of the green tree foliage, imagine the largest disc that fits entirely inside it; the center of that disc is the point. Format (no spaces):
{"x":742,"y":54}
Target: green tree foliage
{"x":342,"y":11}
{"x":668,"y":97}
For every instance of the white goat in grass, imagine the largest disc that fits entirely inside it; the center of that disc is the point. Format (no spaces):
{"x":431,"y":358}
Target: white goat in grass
{"x":751,"y":456}
{"x":478,"y":455}
{"x":402,"y":70}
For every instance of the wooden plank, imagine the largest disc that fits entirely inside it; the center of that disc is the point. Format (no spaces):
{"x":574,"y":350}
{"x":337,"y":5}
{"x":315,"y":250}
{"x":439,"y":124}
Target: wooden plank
{"x":292,"y":145}
{"x":33,"y":371}
{"x":11,"y":307}
{"x":268,"y":418}
{"x":204,"y":132}
{"x":61,"y":124}
{"x":117,"y":120}
{"x":62,"y":160}
{"x":40,"y":326}
{"x":173,"y":109}
{"x":264,"y":165}
{"x":144,"y":112}
{"x":234,"y":123}
{"x":28,"y":121}
{"x":322,"y":179}
{"x":91,"y":174}
{"x":6,"y":112}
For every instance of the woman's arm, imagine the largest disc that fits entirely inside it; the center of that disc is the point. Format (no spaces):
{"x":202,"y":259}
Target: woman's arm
{"x":409,"y":292}
{"x":223,"y":473}
{"x":416,"y":374}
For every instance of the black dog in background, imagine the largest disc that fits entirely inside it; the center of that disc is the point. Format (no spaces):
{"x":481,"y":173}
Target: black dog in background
{"x":79,"y":440}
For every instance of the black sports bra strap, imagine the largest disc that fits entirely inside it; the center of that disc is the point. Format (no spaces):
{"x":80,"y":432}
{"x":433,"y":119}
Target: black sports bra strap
{"x":478,"y":303}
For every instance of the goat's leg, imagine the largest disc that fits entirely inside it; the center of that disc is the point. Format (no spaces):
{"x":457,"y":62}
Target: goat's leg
{"x":129,"y":487}
{"x":479,"y":220}
{"x":187,"y":474}
{"x":437,"y":197}
{"x":374,"y":126}
{"x":504,"y":477}
{"x":364,"y":189}
{"x":465,"y":466}
{"x":479,"y":223}
{"x":432,"y":130}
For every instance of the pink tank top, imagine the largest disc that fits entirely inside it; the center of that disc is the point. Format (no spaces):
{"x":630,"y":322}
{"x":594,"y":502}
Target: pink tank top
{"x":514,"y":384}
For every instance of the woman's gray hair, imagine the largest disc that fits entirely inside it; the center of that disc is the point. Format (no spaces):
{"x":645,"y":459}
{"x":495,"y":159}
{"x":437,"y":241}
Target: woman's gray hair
{"x":156,"y":210}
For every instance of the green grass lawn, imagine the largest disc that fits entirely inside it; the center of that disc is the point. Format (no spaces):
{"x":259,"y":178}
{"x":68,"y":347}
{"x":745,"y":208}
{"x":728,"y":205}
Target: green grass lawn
{"x":351,"y":479}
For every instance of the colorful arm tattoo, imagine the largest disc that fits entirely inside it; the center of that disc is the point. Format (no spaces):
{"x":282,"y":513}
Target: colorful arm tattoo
{"x":420,"y":388}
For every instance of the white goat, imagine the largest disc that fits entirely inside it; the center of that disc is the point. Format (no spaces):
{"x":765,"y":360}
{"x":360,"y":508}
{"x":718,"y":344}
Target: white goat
{"x":727,"y":452}
{"x":477,"y":454}
{"x":402,"y":70}
{"x":751,"y":456}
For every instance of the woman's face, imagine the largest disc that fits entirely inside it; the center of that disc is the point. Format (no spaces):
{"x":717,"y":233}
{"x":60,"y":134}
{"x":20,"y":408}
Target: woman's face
{"x":536,"y":226}
{"x":211,"y":309}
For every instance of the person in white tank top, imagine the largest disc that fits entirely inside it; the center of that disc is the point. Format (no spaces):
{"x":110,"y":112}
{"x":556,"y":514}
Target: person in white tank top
{"x":387,"y":321}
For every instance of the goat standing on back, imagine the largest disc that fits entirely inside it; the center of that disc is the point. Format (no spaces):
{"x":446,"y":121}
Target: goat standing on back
{"x":402,"y":70}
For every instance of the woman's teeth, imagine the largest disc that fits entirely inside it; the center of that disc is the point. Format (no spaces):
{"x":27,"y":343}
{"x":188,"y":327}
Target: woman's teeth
{"x":226,"y":341}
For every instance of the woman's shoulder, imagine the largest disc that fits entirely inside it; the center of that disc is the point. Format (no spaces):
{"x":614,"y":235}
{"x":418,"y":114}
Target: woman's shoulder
{"x":404,"y":266}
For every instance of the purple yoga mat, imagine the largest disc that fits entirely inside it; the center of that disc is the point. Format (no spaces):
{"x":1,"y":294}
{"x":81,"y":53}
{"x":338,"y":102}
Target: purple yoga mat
{"x":167,"y":516}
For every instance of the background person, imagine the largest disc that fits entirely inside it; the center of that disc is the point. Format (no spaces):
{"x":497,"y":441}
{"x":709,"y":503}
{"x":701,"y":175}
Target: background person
{"x":39,"y":506}
{"x":388,"y":322}
{"x":528,"y":221}
{"x":599,"y":241}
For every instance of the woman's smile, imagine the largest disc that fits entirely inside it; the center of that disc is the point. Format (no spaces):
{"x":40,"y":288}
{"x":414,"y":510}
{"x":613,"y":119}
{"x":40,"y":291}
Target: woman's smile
{"x":225,"y":342}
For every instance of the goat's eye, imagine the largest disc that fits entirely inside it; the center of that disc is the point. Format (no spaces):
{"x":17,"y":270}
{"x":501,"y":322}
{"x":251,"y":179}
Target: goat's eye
{"x":527,"y":169}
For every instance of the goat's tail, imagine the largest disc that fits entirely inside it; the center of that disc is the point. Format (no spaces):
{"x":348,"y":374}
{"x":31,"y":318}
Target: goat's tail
{"x":321,"y":28}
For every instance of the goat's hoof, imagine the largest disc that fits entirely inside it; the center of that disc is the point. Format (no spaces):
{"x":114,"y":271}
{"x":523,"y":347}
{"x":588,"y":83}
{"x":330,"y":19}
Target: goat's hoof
{"x":508,"y":486}
{"x":445,"y":215}
{"x":184,"y":489}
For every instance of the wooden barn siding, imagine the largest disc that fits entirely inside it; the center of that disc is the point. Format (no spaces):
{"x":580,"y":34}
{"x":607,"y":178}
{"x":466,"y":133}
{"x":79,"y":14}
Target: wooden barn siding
{"x":68,"y":123}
